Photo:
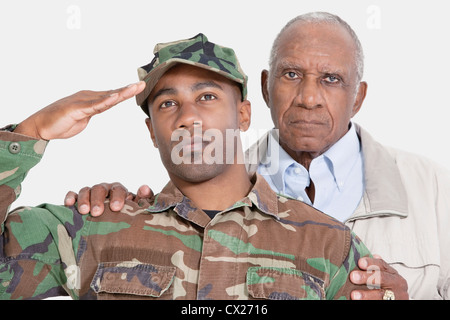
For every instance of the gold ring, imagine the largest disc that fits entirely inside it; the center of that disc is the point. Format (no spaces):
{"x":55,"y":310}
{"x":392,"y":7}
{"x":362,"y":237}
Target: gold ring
{"x":388,"y":295}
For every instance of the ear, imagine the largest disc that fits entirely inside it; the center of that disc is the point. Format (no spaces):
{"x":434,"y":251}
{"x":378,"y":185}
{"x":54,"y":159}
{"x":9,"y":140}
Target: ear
{"x":264,"y":86}
{"x":360,"y":96}
{"x":245,"y":115}
{"x":149,"y":124}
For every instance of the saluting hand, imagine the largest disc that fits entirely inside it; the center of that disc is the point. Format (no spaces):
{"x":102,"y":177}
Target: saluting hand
{"x":69,"y":116}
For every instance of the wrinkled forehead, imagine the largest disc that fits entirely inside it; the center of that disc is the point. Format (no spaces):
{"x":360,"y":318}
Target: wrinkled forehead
{"x":319,"y":34}
{"x":327,"y":43}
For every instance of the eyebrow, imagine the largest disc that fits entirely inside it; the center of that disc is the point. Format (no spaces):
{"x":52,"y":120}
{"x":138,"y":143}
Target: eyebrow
{"x":197,"y":86}
{"x":287,"y":65}
{"x":325,"y":69}
{"x":162,"y":92}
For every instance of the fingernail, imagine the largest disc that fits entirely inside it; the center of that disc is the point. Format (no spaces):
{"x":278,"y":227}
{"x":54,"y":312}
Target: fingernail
{"x":115,"y":205}
{"x":95,"y":210}
{"x":69,"y":199}
{"x":356,"y":295}
{"x":83,"y":208}
{"x":356,"y":277}
{"x":363,"y":263}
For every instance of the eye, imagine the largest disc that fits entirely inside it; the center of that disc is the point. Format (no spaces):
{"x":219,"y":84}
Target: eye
{"x":208,"y":97}
{"x":332,"y":79}
{"x":291,"y":75}
{"x":167,"y":104}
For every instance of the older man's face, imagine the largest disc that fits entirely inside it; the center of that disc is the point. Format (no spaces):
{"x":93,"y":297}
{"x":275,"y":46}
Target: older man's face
{"x":312,"y":89}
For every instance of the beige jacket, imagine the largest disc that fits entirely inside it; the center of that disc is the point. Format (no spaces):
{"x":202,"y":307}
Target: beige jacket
{"x":404,"y":215}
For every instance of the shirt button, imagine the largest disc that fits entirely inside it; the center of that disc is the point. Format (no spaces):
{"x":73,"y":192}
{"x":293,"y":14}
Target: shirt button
{"x":297,"y":170}
{"x":14,"y":147}
{"x":300,"y":198}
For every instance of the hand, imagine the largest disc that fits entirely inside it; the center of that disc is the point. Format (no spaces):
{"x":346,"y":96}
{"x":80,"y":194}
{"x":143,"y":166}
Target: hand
{"x":378,"y":276}
{"x":95,"y":197}
{"x":69,"y":116}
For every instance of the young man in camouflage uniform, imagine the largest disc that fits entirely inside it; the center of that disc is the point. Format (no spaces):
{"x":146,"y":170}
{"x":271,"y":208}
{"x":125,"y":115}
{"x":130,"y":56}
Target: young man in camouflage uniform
{"x":212,"y":233}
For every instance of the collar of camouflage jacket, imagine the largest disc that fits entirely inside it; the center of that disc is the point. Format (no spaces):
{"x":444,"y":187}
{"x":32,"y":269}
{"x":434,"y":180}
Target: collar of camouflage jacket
{"x":261,"y":196}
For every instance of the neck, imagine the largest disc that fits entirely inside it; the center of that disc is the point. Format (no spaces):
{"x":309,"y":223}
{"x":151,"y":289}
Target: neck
{"x":302,"y":157}
{"x":220,"y":192}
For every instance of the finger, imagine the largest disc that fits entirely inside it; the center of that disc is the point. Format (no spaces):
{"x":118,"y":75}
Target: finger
{"x":70,"y":199}
{"x":117,"y":196}
{"x":99,"y":193}
{"x":377,"y":294}
{"x":128,"y":91}
{"x":378,"y":274}
{"x":84,"y":206}
{"x":130,"y":196}
{"x":371,"y":279}
{"x":366,"y":263}
{"x":144,"y":192}
{"x":113,"y":97}
{"x":367,"y":294}
{"x":377,"y":279}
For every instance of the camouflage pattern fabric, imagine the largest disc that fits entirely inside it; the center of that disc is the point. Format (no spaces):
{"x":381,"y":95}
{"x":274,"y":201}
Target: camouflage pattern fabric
{"x":263,"y":247}
{"x":197,"y":51}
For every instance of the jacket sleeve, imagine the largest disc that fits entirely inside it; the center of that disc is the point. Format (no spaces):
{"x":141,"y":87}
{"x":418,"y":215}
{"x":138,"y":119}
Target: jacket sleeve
{"x":37,"y":258}
{"x":340,"y":285}
{"x":442,"y":177}
{"x":18,"y":154}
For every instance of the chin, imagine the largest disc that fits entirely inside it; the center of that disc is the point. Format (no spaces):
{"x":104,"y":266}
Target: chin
{"x":196,"y":173}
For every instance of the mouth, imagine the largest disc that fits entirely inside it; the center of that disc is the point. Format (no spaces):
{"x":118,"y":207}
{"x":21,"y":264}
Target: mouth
{"x":198,"y":146}
{"x":305,"y":123}
{"x":193,"y":145}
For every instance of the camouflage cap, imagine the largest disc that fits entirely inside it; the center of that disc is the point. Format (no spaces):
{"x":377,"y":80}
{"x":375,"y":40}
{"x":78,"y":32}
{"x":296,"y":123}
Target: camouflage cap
{"x":196,"y":51}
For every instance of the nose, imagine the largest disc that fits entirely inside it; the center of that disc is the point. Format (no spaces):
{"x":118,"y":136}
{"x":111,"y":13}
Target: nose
{"x":309,"y":94}
{"x":188,"y":117}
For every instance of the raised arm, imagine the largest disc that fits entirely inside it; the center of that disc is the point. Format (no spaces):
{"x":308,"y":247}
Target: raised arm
{"x":37,"y":257}
{"x":69,"y":116}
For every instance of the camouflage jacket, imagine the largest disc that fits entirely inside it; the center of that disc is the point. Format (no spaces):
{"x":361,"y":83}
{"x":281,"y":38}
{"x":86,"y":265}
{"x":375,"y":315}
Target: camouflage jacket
{"x":263,"y":247}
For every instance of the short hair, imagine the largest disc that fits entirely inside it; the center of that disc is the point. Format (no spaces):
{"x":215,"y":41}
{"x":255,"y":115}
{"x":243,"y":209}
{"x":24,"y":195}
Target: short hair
{"x":323,"y":17}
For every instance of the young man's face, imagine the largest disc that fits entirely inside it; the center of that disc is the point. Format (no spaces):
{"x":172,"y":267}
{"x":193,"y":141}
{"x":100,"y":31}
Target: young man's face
{"x":191,"y":109}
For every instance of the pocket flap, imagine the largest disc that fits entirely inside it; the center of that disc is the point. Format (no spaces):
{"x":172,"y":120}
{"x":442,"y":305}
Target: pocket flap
{"x":283,"y":284}
{"x":131,"y":277}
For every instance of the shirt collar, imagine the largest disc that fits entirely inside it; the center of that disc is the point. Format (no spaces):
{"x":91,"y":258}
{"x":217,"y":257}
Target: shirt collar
{"x":282,"y":162}
{"x":342,"y":156}
{"x":261,"y":196}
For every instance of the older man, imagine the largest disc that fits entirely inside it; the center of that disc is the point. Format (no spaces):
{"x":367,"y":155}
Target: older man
{"x":398,"y":203}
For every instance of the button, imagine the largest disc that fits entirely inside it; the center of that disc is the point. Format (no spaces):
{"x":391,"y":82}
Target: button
{"x":297,"y":170}
{"x":14,"y":147}
{"x":300,"y":198}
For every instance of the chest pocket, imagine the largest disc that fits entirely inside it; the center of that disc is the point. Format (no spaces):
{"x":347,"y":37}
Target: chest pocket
{"x":132,"y":278}
{"x":283,"y":284}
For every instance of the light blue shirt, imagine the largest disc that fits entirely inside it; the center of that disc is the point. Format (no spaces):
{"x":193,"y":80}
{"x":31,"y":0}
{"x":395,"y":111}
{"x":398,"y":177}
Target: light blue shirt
{"x":338,"y":176}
